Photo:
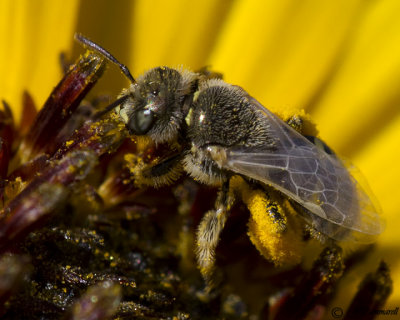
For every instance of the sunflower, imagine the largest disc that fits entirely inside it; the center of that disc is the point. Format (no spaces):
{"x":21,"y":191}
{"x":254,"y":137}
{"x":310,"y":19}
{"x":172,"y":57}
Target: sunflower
{"x":338,"y":60}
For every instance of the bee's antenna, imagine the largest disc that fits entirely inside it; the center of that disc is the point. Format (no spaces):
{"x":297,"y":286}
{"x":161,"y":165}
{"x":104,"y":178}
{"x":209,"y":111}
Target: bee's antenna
{"x":111,"y":106}
{"x":94,"y":46}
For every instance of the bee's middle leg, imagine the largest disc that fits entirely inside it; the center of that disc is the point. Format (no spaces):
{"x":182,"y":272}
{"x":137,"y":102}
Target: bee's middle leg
{"x":208,"y":234}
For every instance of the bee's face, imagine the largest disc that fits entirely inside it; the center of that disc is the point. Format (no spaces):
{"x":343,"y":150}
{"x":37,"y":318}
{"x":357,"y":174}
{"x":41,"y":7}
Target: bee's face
{"x":154,"y":104}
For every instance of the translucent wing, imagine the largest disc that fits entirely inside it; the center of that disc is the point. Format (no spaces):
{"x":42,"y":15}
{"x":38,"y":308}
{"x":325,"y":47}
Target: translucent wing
{"x":336,"y":205}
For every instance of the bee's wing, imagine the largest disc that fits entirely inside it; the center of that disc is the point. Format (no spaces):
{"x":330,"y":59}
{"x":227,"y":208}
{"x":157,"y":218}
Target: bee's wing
{"x":336,"y":204}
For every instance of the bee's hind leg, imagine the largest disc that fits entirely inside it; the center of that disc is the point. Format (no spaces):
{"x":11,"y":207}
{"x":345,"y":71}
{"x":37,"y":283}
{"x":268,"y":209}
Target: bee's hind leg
{"x":274,"y":227}
{"x":208,"y":234}
{"x":296,"y":122}
{"x":303,"y":124}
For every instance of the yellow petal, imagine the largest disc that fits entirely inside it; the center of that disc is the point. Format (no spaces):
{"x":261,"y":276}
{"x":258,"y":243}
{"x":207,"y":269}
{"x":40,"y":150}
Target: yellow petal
{"x":380,"y":163}
{"x":280,"y":51}
{"x":363,"y":95}
{"x":33,"y":35}
{"x":175,"y":32}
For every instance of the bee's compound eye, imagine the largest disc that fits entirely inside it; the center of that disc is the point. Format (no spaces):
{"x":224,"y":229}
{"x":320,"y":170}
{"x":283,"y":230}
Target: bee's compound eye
{"x":142,"y":121}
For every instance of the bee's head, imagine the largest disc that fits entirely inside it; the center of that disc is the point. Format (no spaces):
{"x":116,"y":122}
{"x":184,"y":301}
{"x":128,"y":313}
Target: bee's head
{"x":154,"y":104}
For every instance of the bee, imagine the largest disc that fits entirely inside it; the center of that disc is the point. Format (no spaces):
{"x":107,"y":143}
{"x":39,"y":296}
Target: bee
{"x":221,"y":133}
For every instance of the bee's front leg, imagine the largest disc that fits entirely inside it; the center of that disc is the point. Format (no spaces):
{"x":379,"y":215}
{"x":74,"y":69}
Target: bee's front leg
{"x":208,"y":234}
{"x":161,"y":174}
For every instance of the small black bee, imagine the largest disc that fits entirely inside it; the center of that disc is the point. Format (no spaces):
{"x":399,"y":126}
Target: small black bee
{"x":223,"y":132}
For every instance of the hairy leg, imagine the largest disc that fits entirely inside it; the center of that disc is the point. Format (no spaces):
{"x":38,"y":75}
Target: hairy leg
{"x":208,"y":234}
